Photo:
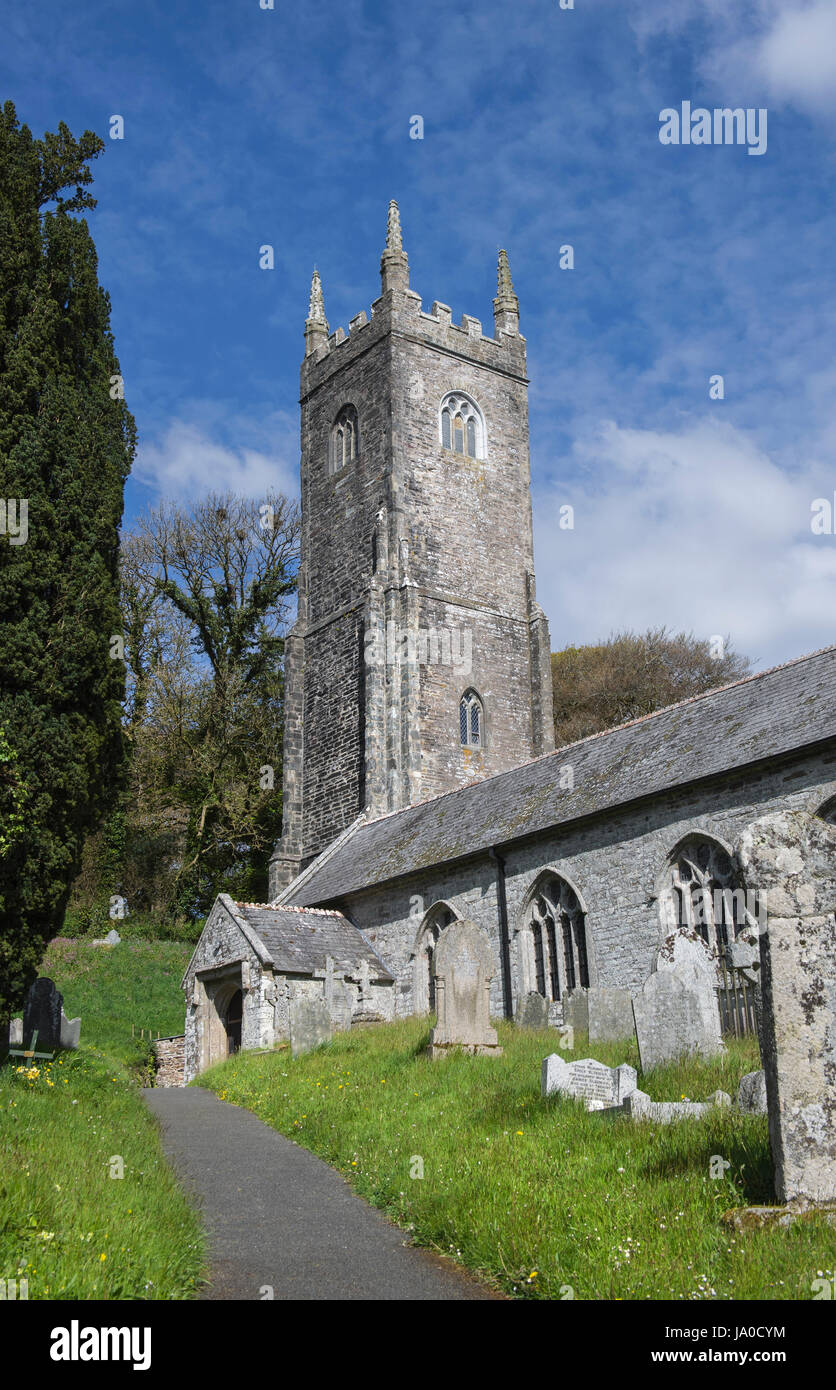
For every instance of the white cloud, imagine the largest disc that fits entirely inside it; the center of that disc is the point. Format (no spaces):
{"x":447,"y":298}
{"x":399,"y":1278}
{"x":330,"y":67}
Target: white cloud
{"x":187,"y":461}
{"x":795,"y":59}
{"x":757,"y":51}
{"x":697,"y":530}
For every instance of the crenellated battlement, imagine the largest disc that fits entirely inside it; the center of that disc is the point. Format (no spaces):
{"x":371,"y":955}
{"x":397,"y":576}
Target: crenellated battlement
{"x":399,"y":310}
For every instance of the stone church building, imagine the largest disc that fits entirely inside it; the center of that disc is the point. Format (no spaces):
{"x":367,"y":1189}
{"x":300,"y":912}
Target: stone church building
{"x":421,"y":783}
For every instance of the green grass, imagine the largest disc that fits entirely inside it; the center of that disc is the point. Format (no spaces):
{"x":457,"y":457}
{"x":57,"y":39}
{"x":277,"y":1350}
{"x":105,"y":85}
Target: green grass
{"x":113,"y":988}
{"x":66,"y":1225}
{"x":537,"y":1196}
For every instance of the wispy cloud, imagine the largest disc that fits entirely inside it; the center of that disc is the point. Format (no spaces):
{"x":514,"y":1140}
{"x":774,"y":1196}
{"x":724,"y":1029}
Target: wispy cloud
{"x":696,"y":529}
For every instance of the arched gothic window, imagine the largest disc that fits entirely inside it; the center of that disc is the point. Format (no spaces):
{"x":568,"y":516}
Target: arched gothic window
{"x":471,"y":721}
{"x":553,"y":942}
{"x":462,"y":426}
{"x":345,"y":444}
{"x":424,"y":984}
{"x":704,"y":895}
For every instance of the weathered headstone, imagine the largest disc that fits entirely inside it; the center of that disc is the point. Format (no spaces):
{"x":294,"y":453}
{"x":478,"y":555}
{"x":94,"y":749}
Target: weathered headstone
{"x":70,"y":1032}
{"x":687,"y":954}
{"x":113,"y":938}
{"x":16,"y":1032}
{"x":533,"y":1011}
{"x":751,"y":1093}
{"x":463,"y":967}
{"x":597,"y":1085}
{"x":610,"y":1014}
{"x":790,"y":859}
{"x":674,"y":1019}
{"x":42,"y":1015}
{"x":576,"y":1010}
{"x":310,"y":1024}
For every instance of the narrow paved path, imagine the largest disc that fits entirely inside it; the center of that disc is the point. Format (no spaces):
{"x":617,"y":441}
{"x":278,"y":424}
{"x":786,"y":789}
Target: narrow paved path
{"x":278,"y":1216}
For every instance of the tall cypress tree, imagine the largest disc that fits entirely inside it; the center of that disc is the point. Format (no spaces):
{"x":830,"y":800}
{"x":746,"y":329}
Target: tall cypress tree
{"x":67,"y":441}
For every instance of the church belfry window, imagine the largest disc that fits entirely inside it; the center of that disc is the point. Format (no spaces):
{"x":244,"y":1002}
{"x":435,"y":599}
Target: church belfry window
{"x":462,"y":426}
{"x":471,"y":721}
{"x":344,"y":444}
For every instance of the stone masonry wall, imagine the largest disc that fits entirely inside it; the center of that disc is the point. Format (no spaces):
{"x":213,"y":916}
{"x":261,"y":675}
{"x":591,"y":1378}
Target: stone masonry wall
{"x":617,"y":864}
{"x":171,"y":1061}
{"x":413,"y":534}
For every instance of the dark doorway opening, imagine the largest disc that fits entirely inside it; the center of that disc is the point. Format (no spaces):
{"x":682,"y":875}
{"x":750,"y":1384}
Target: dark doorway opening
{"x":234,"y":1019}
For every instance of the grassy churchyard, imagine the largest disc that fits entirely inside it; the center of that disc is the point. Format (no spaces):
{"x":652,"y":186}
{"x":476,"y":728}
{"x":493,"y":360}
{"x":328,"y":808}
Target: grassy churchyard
{"x":539,"y":1197}
{"x":88,"y":1206}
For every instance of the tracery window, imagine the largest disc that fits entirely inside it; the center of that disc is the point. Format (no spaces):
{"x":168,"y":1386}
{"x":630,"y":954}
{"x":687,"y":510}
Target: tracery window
{"x":344,"y":446}
{"x":462,"y":426}
{"x":424,"y":992}
{"x":556,"y":937}
{"x":705,"y":895}
{"x":471,"y":720}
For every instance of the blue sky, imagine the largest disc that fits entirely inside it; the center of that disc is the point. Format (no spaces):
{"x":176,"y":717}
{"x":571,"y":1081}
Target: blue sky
{"x":290,"y":126}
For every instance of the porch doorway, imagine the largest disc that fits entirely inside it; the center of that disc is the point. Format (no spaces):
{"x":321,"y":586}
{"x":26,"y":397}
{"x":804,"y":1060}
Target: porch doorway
{"x":232,"y":1022}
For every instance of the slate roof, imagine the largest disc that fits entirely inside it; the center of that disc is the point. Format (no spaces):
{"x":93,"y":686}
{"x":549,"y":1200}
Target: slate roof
{"x":297,"y":940}
{"x":762,"y":716}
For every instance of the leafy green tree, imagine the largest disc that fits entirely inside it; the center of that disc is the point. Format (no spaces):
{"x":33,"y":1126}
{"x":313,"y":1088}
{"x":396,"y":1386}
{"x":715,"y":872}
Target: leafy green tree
{"x":205,"y":602}
{"x":67,"y":441}
{"x":632,"y":674}
{"x":12,"y":797}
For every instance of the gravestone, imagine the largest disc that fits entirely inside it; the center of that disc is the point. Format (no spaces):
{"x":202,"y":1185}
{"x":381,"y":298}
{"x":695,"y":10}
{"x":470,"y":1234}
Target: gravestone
{"x":365,"y":1010}
{"x":610,"y":1014}
{"x":112,"y":939}
{"x":463,"y":967}
{"x":533,"y":1011}
{"x":790,"y":859}
{"x":70,"y":1032}
{"x":310,"y":1024}
{"x":598,"y":1086}
{"x":42,"y":1015}
{"x":338,"y":996}
{"x":16,"y":1032}
{"x":751,"y":1093}
{"x":686,"y":953}
{"x":576,"y":1010}
{"x":674,"y":1018}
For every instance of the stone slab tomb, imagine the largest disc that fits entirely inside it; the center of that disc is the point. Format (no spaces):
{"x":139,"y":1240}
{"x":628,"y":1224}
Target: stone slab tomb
{"x":639,"y":1106}
{"x":790,"y":859}
{"x":463,"y":966}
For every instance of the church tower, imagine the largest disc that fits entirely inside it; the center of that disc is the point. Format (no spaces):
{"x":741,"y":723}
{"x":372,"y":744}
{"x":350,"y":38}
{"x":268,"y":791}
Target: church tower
{"x":420,"y":659}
